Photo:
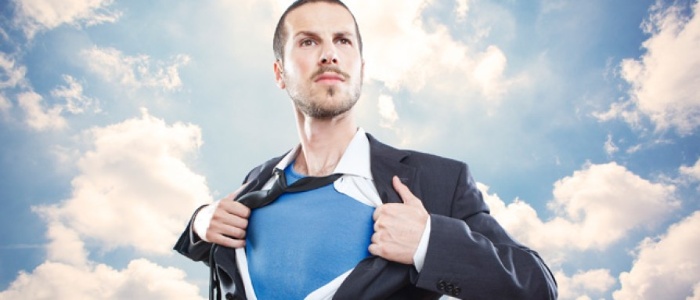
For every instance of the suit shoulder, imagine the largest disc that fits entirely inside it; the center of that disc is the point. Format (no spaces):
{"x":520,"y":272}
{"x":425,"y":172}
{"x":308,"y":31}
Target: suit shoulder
{"x":433,"y":157}
{"x":416,"y":158}
{"x":428,"y":160}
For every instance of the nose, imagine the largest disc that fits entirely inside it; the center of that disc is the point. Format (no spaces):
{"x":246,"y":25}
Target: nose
{"x":329,"y":56}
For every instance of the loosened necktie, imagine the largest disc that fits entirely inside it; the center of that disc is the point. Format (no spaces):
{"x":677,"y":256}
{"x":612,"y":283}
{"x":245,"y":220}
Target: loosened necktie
{"x":259,"y":199}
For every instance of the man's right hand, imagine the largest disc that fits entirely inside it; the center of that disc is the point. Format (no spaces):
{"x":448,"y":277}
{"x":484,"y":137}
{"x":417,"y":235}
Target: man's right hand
{"x":229,"y":222}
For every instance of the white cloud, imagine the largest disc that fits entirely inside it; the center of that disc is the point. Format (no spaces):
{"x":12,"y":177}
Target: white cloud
{"x":401,"y":52}
{"x":135,"y":71}
{"x":587,"y":208}
{"x":37,"y":116}
{"x":39,"y":15}
{"x":65,"y":245}
{"x":549,"y":6}
{"x":594,"y":197}
{"x":489,"y":72}
{"x":76,"y":102}
{"x":141,"y":279}
{"x":665,"y":81}
{"x":134,"y":190}
{"x":584,"y":284}
{"x":667,"y":267}
{"x":610,"y":147}
{"x":692,"y":173}
{"x":633,"y":149}
{"x":461,"y":9}
{"x":5,"y":104}
{"x":387,"y":111}
{"x":11,"y":74}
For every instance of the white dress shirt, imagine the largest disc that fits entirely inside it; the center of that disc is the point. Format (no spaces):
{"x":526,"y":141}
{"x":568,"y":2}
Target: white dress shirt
{"x":356,"y":182}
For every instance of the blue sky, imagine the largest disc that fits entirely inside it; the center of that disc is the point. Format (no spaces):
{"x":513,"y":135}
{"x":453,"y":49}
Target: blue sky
{"x":579,"y":120}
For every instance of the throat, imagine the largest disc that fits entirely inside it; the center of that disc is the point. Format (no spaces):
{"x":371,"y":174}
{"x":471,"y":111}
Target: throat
{"x":306,"y":169}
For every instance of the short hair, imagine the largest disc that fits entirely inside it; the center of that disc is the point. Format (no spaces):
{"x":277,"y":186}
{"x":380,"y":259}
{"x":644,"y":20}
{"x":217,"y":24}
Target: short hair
{"x":281,"y":32}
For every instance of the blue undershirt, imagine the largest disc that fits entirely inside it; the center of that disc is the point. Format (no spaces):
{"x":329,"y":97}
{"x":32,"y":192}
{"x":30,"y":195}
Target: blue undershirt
{"x":304,"y":240}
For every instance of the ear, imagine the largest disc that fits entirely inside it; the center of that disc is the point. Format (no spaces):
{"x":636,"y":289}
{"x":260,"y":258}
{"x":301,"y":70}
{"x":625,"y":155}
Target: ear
{"x":362,"y":71}
{"x":279,"y":74}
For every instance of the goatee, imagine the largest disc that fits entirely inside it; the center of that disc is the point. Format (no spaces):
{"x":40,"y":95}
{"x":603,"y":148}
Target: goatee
{"x":315,"y":110}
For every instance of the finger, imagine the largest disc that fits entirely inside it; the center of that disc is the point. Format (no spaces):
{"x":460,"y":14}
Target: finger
{"x":235,"y":208}
{"x":375,"y":250}
{"x":234,"y":221}
{"x":403,"y":191}
{"x":377,"y":213}
{"x":227,"y":241}
{"x":235,"y":193}
{"x":217,"y":230}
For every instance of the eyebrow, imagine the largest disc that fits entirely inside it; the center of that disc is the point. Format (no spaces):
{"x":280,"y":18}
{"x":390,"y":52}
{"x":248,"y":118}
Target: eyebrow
{"x":316,"y":35}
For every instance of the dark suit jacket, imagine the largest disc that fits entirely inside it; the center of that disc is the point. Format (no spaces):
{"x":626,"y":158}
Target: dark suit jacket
{"x":469,"y":254}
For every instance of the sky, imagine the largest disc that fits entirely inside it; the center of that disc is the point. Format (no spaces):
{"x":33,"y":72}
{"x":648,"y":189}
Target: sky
{"x":578,"y":119}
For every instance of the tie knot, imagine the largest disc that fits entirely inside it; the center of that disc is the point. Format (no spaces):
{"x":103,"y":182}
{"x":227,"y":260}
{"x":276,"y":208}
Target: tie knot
{"x":259,"y":199}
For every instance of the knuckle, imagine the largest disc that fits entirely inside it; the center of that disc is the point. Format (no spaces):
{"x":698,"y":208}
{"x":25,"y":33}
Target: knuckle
{"x":379,"y":250}
{"x":244,"y":223}
{"x":241,"y":233}
{"x":237,"y":233}
{"x":236,"y":243}
{"x":240,"y":210}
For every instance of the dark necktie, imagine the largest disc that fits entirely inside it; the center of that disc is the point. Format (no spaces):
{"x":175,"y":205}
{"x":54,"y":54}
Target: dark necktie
{"x":259,"y":199}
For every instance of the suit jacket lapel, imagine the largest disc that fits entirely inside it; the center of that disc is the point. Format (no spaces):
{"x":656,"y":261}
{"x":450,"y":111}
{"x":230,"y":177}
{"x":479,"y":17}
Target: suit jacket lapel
{"x":375,"y":277}
{"x":260,"y":176}
{"x":385,"y":163}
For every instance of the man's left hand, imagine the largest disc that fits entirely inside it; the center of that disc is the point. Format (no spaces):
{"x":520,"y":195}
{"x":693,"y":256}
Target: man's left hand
{"x":398,"y":227}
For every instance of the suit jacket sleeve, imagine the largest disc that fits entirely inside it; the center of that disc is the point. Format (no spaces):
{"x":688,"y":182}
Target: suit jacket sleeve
{"x":190,"y":245}
{"x":470,"y":254}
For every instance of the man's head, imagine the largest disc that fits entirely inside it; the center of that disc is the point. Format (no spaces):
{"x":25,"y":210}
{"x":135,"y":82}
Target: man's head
{"x":281,"y":33}
{"x":320,"y":61}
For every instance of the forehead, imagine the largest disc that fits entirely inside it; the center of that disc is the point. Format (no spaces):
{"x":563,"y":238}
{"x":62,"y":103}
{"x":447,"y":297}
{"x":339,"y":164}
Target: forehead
{"x":319,"y":17}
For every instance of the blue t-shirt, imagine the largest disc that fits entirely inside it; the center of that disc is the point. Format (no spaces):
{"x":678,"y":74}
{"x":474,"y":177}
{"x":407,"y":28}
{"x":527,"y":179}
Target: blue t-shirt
{"x":304,"y":240}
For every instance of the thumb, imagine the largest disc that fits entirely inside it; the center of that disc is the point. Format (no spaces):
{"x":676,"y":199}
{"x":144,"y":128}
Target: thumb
{"x":233,"y":195}
{"x":405,"y":193}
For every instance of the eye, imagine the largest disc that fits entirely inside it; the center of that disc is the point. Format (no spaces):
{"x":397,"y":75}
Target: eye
{"x":307,"y":42}
{"x":344,"y":41}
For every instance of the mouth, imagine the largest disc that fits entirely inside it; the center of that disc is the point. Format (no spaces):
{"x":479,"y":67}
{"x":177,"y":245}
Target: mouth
{"x":329,"y":77}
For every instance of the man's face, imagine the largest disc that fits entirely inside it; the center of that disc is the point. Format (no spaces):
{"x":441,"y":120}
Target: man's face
{"x":322,"y":68}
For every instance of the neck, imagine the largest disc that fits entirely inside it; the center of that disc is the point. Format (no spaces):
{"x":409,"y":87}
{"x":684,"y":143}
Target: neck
{"x":323,"y":142}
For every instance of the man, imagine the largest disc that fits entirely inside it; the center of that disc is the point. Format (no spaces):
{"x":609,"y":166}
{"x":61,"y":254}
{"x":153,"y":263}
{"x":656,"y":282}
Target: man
{"x":395,"y":225}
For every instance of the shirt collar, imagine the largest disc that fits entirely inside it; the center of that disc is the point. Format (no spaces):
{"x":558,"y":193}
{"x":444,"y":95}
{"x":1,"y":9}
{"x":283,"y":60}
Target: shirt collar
{"x":355,"y":159}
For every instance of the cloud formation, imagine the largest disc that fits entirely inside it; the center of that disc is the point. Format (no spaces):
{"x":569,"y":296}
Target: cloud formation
{"x":11,"y":73}
{"x":37,"y":115}
{"x":666,"y":267}
{"x":387,"y":111}
{"x":135,"y":172}
{"x":141,"y":279}
{"x":135,"y":71}
{"x":665,"y":80}
{"x":41,"y":15}
{"x":133,"y":190}
{"x":587,"y":208}
{"x":405,"y":52}
{"x":584,"y":285}
{"x":5,"y":104}
{"x":76,"y":101}
{"x":691,"y":173}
